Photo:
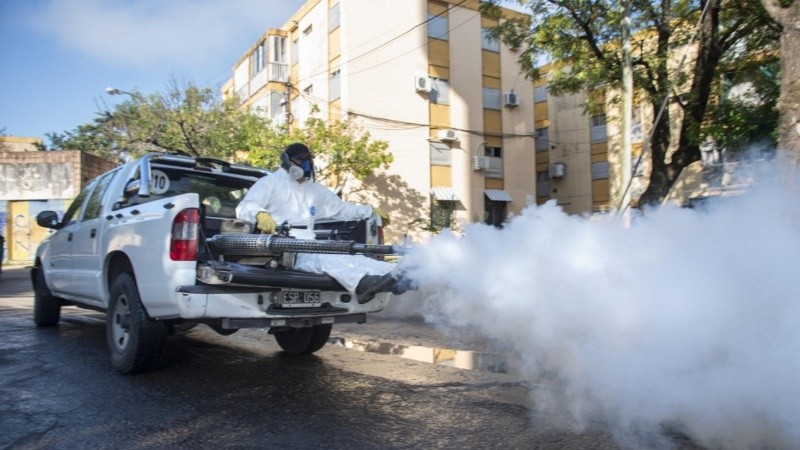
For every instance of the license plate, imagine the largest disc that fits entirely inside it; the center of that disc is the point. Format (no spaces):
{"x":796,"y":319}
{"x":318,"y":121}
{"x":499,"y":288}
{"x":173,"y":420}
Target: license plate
{"x":299,"y":299}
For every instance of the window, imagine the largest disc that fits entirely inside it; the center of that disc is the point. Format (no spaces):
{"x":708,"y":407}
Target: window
{"x":540,"y":94}
{"x":441,"y":154}
{"x":542,"y":139}
{"x":491,"y":98}
{"x":335,"y":85}
{"x":334,"y":18}
{"x":309,"y":89}
{"x":542,"y":183}
{"x":598,"y":130}
{"x":72,"y":212}
{"x":307,"y":31}
{"x":489,"y":42}
{"x":442,"y":214}
{"x":437,"y":26}
{"x":257,"y":60}
{"x":599,"y":120}
{"x":277,"y":107}
{"x":494,"y":212}
{"x":219,"y":195}
{"x":600,"y":170}
{"x":278,"y":49}
{"x":493,"y":152}
{"x":93,"y":206}
{"x":440,"y":91}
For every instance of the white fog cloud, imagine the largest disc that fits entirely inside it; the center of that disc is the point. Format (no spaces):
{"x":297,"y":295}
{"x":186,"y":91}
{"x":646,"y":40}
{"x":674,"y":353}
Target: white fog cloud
{"x":689,"y":318}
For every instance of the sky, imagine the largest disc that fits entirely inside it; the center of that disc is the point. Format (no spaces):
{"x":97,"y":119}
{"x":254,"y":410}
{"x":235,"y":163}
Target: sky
{"x":58,"y":56}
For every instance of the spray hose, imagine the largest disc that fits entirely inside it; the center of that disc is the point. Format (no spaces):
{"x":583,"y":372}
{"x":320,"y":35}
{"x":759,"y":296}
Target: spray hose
{"x":273,"y":244}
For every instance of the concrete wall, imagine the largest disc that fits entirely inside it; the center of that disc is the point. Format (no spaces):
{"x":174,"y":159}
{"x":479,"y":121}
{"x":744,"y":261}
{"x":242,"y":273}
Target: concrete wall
{"x":31,"y":182}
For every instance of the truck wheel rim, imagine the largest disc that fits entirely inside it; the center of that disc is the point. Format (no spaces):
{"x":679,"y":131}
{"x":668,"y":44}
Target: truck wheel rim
{"x":120,"y":323}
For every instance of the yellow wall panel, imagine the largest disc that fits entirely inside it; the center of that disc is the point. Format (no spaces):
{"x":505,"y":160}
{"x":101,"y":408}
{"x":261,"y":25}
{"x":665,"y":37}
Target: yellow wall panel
{"x":540,"y":111}
{"x":439,"y":72}
{"x":334,"y":44}
{"x":491,"y":63}
{"x":491,"y":82}
{"x":440,"y":115}
{"x":441,"y":176}
{"x":335,"y":110}
{"x":493,"y":183}
{"x":600,"y":191}
{"x":488,"y":23}
{"x":438,"y":52}
{"x":492,"y":121}
{"x":493,"y":141}
{"x":437,"y":8}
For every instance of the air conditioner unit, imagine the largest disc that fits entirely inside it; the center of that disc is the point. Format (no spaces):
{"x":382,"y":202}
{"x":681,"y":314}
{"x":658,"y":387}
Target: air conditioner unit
{"x":511,"y":99}
{"x":557,"y":170}
{"x":480,"y":163}
{"x":422,"y":84}
{"x":447,"y":135}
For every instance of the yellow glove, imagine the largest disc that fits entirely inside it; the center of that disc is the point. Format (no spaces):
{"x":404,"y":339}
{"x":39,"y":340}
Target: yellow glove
{"x":382,"y":214}
{"x":265,"y":222}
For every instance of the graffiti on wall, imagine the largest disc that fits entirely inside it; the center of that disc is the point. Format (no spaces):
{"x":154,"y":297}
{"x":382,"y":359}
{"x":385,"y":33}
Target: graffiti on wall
{"x":36,"y":181}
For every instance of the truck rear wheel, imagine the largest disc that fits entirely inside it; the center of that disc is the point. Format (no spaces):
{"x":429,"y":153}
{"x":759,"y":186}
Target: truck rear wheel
{"x":303,"y":341}
{"x":136,"y":341}
{"x":46,"y":307}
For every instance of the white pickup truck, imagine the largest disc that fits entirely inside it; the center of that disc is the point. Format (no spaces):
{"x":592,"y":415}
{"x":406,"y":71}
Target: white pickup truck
{"x":145,"y":243}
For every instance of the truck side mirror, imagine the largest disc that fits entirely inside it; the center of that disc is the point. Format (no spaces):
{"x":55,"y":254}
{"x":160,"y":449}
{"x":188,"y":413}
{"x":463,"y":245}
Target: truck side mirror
{"x":48,"y":219}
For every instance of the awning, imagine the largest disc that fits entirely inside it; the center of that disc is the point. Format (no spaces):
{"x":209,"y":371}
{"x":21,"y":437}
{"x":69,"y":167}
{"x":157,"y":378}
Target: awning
{"x":444,"y":194}
{"x":498,"y":195}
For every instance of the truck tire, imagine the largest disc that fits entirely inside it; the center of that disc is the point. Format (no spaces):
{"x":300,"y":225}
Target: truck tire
{"x":135,"y":340}
{"x":46,"y":307}
{"x":303,"y":341}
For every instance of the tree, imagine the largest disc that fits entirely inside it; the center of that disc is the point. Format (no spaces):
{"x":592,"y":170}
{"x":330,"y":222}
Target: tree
{"x":787,"y":14}
{"x":187,"y":119}
{"x":193,"y":120}
{"x":341,"y":149}
{"x":582,"y":38}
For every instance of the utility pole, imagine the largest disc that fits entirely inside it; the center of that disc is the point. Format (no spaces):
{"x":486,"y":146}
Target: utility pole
{"x":288,"y":102}
{"x":627,"y":106}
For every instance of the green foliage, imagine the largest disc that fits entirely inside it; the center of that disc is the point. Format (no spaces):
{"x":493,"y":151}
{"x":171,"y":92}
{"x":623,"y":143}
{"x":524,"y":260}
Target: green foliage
{"x":582,"y":39}
{"x":741,"y":121}
{"x":193,"y":120}
{"x":340,"y":150}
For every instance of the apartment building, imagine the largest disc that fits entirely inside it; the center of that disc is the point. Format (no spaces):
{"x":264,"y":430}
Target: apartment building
{"x":424,"y":76}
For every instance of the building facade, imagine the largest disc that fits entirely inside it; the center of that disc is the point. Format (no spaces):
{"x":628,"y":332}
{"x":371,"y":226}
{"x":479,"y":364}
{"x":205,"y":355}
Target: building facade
{"x":426,"y":77}
{"x":32,"y":181}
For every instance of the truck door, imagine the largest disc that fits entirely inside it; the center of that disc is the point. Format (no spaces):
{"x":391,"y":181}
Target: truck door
{"x":86,"y":242}
{"x":59,"y":267}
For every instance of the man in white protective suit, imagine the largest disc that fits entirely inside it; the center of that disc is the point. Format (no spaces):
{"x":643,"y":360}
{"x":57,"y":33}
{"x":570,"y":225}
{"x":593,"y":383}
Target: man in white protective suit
{"x":291,"y":194}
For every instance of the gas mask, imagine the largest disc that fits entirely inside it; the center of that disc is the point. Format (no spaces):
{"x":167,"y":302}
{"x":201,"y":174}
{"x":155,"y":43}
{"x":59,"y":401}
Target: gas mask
{"x":304,"y":169}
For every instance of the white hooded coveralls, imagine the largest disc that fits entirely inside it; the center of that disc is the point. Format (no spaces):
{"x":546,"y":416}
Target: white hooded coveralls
{"x":286,"y":199}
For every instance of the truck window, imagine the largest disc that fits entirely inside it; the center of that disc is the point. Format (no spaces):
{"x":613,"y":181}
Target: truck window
{"x":72,"y":211}
{"x":93,"y":205}
{"x":219,"y":194}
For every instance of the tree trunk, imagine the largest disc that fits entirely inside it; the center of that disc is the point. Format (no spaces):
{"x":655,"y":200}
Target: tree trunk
{"x":664,"y":173}
{"x":789,"y":99}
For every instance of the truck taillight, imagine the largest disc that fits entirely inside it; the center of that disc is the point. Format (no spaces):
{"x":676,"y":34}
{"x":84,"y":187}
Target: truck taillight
{"x":183,"y":246}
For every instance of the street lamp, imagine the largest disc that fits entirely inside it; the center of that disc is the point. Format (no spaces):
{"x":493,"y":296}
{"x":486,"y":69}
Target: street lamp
{"x":115,"y":91}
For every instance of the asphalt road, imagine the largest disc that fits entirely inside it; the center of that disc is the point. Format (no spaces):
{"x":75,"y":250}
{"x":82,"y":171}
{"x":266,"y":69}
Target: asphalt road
{"x":58,"y":390}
